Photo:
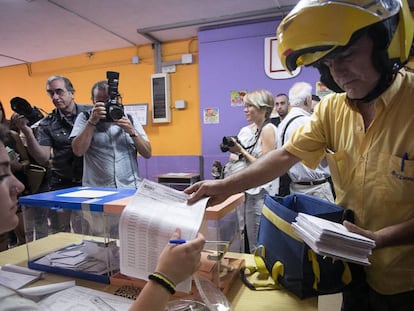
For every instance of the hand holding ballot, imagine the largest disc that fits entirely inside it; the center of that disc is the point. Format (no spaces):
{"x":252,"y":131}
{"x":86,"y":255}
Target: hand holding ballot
{"x":332,"y":239}
{"x":179,"y":262}
{"x":176,"y":263}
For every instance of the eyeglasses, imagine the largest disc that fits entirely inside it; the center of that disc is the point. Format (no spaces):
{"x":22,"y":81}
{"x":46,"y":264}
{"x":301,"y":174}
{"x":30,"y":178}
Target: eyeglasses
{"x":58,"y":92}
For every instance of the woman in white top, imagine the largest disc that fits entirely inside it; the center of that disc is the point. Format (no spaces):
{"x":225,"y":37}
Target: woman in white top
{"x":255,"y":140}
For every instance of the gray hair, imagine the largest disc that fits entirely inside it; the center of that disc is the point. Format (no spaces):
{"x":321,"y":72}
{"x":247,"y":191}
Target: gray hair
{"x":68,"y":84}
{"x":299,"y":93}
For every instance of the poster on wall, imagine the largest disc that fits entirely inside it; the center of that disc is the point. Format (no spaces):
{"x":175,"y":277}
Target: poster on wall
{"x":272,"y":64}
{"x":211,"y":115}
{"x":236,"y":98}
{"x":140,"y":111}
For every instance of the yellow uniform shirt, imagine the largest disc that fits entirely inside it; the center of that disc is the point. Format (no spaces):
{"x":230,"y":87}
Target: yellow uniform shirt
{"x":368,"y":168}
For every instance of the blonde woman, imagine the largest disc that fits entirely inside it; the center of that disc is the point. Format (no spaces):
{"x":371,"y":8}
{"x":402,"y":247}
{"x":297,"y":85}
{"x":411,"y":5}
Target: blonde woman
{"x":253,"y":141}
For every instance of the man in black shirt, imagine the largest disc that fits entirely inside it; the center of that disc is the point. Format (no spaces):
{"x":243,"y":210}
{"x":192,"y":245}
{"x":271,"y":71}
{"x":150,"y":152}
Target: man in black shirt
{"x":52,"y":143}
{"x":282,"y":108}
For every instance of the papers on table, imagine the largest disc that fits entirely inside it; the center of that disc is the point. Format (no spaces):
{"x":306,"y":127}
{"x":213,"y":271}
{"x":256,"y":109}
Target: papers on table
{"x":15,"y":277}
{"x":38,"y":292}
{"x":332,"y":239}
{"x":83,"y":298}
{"x":147,"y":223}
{"x":69,"y":296}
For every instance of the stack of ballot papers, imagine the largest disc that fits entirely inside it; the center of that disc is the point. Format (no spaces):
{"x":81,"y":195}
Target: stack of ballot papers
{"x":331,"y":239}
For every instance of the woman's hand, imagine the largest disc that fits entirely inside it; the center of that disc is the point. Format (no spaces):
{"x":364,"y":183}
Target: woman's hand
{"x":179,"y":262}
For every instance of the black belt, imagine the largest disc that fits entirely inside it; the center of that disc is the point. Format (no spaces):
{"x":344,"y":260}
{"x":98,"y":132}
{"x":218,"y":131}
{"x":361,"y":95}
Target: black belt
{"x":312,"y":182}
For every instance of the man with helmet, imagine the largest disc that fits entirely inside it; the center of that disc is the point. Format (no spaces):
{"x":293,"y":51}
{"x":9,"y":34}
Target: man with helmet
{"x":365,"y":131}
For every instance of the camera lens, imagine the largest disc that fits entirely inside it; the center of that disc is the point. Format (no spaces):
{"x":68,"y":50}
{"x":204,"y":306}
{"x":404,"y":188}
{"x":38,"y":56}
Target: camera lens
{"x":224,"y":148}
{"x":115,"y":112}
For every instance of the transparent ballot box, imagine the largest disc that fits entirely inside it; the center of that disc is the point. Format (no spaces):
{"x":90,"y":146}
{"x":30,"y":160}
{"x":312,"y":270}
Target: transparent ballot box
{"x":74,"y":231}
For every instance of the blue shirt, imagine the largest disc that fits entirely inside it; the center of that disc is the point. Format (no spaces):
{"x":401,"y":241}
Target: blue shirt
{"x":111,"y":159}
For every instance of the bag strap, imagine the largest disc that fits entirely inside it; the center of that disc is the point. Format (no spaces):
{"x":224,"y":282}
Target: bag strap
{"x":285,"y":129}
{"x":86,"y":114}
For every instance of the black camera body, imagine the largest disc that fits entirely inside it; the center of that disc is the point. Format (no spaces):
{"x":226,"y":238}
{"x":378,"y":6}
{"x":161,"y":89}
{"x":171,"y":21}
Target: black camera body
{"x":22,"y":107}
{"x":228,"y":142}
{"x":114,"y":109}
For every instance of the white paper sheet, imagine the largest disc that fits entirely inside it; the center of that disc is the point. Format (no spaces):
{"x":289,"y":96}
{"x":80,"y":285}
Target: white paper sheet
{"x":39,"y":291}
{"x":91,"y":194}
{"x":82,"y":298}
{"x":21,"y":270}
{"x":15,"y":280}
{"x":147,"y":223}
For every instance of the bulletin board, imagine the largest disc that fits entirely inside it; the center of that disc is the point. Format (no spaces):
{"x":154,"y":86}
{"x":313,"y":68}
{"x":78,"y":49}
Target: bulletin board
{"x":139,"y":111}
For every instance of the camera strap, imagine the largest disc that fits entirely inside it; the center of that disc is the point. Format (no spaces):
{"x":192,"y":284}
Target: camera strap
{"x":258,"y":132}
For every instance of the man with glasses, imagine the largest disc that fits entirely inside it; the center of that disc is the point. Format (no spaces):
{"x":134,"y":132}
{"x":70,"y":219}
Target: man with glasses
{"x":52,"y":142}
{"x":364,"y":130}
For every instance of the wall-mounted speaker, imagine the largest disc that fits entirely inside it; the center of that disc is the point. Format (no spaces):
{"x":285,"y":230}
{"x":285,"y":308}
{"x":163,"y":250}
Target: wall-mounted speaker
{"x":160,"y":96}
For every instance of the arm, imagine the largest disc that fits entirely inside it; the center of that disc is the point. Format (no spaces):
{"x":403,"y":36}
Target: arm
{"x":20,"y":148}
{"x":21,"y":160}
{"x":40,"y":153}
{"x":81,"y":143}
{"x":399,"y":234}
{"x":273,"y":164}
{"x":177,"y":262}
{"x":143,"y":146}
{"x":267,"y":141}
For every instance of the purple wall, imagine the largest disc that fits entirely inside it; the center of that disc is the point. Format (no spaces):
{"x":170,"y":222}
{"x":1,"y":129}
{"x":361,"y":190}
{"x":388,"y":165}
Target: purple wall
{"x":232,"y":58}
{"x":156,"y":165}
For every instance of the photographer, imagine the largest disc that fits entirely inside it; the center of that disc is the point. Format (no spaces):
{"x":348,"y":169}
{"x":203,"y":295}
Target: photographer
{"x":53,"y":133}
{"x":110,"y":147}
{"x":253,"y":141}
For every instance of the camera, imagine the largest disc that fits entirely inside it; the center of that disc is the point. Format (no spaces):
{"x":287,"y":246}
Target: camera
{"x":228,"y":142}
{"x":114,"y":109}
{"x":22,"y":107}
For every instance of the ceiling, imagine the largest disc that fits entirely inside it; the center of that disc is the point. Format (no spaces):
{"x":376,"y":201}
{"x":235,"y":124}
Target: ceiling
{"x":36,"y":30}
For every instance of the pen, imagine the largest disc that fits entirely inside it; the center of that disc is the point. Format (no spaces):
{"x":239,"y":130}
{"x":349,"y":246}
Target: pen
{"x":177,"y":241}
{"x":404,"y":158}
{"x":182,"y":241}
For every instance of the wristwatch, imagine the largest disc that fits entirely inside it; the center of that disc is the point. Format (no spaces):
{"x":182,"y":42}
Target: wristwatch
{"x":133,"y":135}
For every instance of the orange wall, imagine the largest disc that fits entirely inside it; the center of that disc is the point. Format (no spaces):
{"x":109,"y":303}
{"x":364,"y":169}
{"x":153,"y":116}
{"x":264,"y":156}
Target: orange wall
{"x":180,"y":137}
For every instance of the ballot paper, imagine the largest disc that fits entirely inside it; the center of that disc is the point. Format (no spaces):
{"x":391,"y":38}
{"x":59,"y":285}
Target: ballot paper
{"x":147,"y":223}
{"x":332,"y":239}
{"x":89,"y":257}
